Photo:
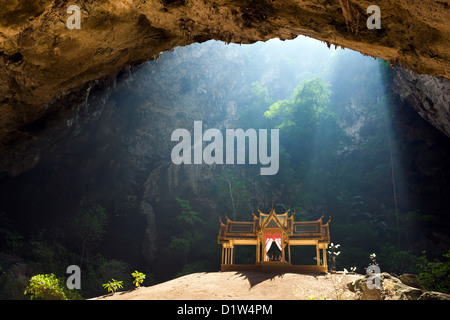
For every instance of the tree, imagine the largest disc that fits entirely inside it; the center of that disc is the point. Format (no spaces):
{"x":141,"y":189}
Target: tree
{"x":304,"y":120}
{"x":308,"y":101}
{"x":233,"y":192}
{"x":187,"y":220}
{"x":89,"y":227}
{"x":311,"y":135}
{"x":252,"y":114}
{"x":435,"y":275}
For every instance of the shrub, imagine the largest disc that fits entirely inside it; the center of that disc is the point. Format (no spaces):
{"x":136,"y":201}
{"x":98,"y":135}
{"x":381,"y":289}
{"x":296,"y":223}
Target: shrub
{"x":138,"y":278}
{"x":113,"y":285}
{"x":45,"y":287}
{"x":435,"y":275}
{"x":398,"y":261}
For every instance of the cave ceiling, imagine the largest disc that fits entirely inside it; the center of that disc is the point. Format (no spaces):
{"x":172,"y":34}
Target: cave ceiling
{"x":42,"y":59}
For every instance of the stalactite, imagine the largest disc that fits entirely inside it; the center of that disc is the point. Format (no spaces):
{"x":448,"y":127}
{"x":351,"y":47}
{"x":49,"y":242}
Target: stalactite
{"x":351,"y":15}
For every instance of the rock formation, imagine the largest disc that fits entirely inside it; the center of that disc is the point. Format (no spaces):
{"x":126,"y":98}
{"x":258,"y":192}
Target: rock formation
{"x":62,"y":104}
{"x":43,"y":62}
{"x":430,"y":96}
{"x":392,"y":287}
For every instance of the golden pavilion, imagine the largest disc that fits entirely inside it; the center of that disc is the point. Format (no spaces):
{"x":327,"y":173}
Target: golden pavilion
{"x":280,"y":229}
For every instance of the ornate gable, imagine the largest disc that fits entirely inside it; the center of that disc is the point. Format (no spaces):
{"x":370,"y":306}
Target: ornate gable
{"x":272,"y":220}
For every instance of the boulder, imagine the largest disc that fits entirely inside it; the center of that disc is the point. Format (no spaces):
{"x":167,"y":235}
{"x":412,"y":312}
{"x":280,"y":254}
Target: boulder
{"x":403,"y":287}
{"x":433,"y":295}
{"x":410,"y":280}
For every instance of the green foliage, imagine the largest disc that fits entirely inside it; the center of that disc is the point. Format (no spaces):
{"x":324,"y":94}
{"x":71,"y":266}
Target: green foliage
{"x":14,"y":241}
{"x":90,"y":223}
{"x":232,"y":193}
{"x":99,"y":270}
{"x":12,"y":287}
{"x":398,"y":261}
{"x":113,"y":285}
{"x":46,"y":256}
{"x":305,"y":106}
{"x":435,"y":275}
{"x":352,"y":256}
{"x":52,"y":250}
{"x":187,"y":222}
{"x":311,"y":139}
{"x":251,"y":115}
{"x":187,"y":217}
{"x":89,"y":228}
{"x":138,"y":278}
{"x":45,"y":287}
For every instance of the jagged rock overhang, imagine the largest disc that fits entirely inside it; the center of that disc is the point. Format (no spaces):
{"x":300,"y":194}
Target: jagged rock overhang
{"x":42,"y":60}
{"x":45,"y":57}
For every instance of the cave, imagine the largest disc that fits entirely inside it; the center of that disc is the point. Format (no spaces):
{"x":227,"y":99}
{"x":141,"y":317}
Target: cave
{"x":88,"y":116}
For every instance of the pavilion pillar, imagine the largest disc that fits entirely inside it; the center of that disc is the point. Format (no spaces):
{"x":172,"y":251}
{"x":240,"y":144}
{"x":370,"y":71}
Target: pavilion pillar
{"x":258,"y":243}
{"x":318,"y":254}
{"x":263,"y":251}
{"x":224,"y":254}
{"x":227,"y":252}
{"x":231,"y":253}
{"x":289,"y":252}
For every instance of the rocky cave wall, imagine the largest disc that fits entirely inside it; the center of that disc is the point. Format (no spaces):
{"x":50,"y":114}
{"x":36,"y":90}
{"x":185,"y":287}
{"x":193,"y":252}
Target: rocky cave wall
{"x":43,"y":61}
{"x":63,"y":103}
{"x":428,"y":95}
{"x":114,"y":149}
